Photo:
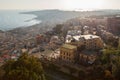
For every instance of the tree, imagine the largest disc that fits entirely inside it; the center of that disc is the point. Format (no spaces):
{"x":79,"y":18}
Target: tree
{"x":53,"y":67}
{"x":108,"y":75}
{"x":72,"y":70}
{"x":82,"y":75}
{"x":25,"y":68}
{"x":98,"y":72}
{"x":116,"y":70}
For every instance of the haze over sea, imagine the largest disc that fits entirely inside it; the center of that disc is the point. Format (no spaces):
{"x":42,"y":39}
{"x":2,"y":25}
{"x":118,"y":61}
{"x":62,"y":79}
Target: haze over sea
{"x":10,"y":19}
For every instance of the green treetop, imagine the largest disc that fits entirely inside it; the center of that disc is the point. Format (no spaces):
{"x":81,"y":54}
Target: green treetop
{"x":25,"y":68}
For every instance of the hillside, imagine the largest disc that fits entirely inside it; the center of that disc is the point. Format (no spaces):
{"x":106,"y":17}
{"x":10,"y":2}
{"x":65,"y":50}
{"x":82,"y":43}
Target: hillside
{"x":50,"y":18}
{"x":56,"y":16}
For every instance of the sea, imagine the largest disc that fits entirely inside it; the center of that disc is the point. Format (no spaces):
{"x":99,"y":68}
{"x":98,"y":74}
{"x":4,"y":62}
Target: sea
{"x":10,"y":19}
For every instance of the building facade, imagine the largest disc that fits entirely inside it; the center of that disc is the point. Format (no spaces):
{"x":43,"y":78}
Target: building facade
{"x":68,"y":53}
{"x":91,"y":42}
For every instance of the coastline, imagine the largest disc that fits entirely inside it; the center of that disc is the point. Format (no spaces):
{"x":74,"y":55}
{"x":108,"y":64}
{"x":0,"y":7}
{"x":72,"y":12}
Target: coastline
{"x":12,"y":19}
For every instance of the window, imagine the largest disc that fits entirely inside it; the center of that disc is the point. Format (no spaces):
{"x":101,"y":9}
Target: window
{"x":64,"y":53}
{"x":67,"y":54}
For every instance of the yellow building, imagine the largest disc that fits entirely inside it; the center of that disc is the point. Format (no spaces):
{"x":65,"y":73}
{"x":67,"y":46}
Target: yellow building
{"x":80,"y":48}
{"x":91,"y":42}
{"x":68,"y":53}
{"x":94,"y":42}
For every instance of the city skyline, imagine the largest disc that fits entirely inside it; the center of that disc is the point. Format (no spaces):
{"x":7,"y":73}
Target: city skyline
{"x":60,"y":4}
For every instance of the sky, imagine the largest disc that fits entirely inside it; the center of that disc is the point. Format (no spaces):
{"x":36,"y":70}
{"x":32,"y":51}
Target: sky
{"x":59,"y":4}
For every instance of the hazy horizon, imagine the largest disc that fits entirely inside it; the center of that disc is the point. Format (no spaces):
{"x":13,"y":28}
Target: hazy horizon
{"x":58,"y":4}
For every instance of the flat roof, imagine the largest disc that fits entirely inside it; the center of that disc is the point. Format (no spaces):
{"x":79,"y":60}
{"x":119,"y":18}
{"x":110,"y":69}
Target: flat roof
{"x":68,"y":46}
{"x":86,"y":37}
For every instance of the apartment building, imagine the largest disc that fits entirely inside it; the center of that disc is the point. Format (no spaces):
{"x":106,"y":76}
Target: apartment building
{"x":91,"y":42}
{"x":68,"y":53}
